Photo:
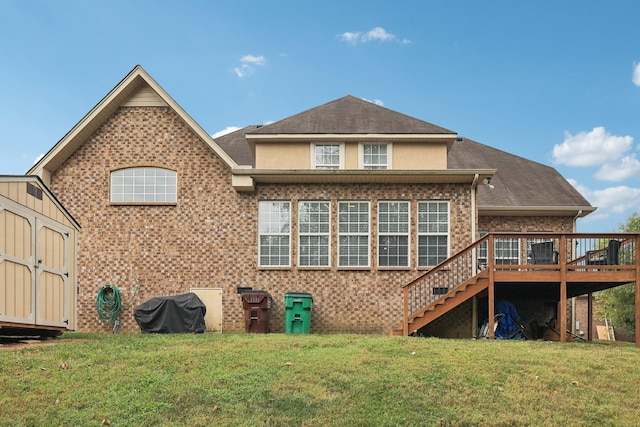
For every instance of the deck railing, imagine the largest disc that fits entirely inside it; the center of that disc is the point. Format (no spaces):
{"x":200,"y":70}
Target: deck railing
{"x":521,"y":252}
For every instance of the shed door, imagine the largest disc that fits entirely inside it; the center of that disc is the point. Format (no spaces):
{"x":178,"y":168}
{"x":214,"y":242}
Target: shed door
{"x":17,"y":278}
{"x":52,"y":266}
{"x":212,"y":299}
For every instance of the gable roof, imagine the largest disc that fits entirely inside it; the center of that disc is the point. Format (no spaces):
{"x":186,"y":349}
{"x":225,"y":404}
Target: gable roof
{"x":34,"y":179}
{"x":138,"y":86}
{"x":520,"y":185}
{"x":351,"y":115}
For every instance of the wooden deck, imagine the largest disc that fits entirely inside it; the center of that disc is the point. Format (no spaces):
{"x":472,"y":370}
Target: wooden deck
{"x":553,"y":266}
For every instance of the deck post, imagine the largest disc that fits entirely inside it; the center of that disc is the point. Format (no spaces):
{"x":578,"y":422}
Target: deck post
{"x":405,"y":309}
{"x":474,"y":316}
{"x":590,"y":316}
{"x":563,"y":288}
{"x":491,"y":288}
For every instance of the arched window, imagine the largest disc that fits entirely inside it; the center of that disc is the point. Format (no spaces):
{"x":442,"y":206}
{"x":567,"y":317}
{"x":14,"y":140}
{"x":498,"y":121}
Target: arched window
{"x":143,"y":185}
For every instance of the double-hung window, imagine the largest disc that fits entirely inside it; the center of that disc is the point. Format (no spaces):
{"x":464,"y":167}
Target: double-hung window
{"x":353,"y":234}
{"x":393,"y":234}
{"x":507,"y":251}
{"x":143,"y":185}
{"x":376,"y":156}
{"x":433,"y":233}
{"x":328,"y":156}
{"x":274,"y":225}
{"x":314,"y":227}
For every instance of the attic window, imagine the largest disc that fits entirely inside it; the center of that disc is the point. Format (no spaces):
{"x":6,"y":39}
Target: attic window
{"x":144,"y":185}
{"x":328,"y":156}
{"x":375,"y":156}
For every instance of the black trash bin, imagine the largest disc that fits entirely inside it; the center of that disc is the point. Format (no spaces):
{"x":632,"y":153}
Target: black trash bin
{"x":257,"y":311}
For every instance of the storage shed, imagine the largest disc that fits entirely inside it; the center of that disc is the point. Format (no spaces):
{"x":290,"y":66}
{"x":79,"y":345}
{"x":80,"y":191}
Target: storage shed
{"x":38,"y":243}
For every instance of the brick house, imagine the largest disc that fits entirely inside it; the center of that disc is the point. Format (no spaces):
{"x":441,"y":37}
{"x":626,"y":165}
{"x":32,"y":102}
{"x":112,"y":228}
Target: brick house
{"x":348,"y":201}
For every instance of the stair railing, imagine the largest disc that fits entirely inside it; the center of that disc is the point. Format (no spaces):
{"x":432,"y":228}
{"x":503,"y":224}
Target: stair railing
{"x":437,"y":282}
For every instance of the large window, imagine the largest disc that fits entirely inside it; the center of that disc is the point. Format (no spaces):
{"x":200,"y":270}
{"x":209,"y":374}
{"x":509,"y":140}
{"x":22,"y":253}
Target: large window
{"x":353,"y":234}
{"x":376,"y":156}
{"x":433,"y":233}
{"x":314,"y":227}
{"x":393,"y":234}
{"x":143,"y":185}
{"x":327,"y":156}
{"x":274,"y":224}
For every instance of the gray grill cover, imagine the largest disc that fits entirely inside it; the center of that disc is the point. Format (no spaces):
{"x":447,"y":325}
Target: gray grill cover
{"x":173,"y":314}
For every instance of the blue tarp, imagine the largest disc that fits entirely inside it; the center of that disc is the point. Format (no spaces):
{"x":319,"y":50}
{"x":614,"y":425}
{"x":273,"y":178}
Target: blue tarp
{"x":509,"y":322}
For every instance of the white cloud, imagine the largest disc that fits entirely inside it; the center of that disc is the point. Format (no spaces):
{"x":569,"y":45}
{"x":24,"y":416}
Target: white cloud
{"x":38,"y":158}
{"x":248,"y":62}
{"x":378,"y":33}
{"x":350,"y":37}
{"x":591,"y":148}
{"x":375,"y":34}
{"x":375,"y":101}
{"x":225,"y":131}
{"x":625,"y":168}
{"x":636,"y":74}
{"x":617,"y":199}
{"x":612,"y":199}
{"x":255,"y":60}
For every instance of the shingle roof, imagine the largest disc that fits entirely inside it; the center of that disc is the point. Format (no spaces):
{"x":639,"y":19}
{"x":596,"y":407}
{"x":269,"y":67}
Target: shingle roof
{"x":519,"y":182}
{"x":235,"y":145}
{"x":350,"y":115}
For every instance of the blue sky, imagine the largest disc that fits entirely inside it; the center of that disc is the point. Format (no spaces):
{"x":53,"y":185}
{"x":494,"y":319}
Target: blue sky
{"x":555,"y":82}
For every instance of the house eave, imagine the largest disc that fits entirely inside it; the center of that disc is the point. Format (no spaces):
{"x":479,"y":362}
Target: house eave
{"x":353,"y":137}
{"x":344,"y":176}
{"x":579,"y":211}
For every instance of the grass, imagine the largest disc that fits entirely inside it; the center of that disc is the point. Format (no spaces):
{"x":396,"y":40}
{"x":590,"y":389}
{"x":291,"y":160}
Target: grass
{"x":316,"y":380}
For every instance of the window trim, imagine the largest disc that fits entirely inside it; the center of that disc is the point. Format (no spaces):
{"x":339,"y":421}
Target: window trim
{"x":301,"y":234}
{"x":361,"y":164}
{"x":113,"y":174}
{"x":367,"y":234}
{"x":427,"y":233}
{"x":341,"y":155}
{"x":397,"y":234}
{"x":260,"y":234}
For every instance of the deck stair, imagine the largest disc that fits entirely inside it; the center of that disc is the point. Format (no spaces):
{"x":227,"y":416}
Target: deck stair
{"x":446,"y":303}
{"x":574,"y":264}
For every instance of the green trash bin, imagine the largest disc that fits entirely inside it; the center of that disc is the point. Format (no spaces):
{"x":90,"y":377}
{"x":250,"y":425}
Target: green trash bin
{"x":297,"y":312}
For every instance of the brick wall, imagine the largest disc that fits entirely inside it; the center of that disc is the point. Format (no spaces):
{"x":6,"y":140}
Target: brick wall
{"x":209,"y":238}
{"x":526,"y":224}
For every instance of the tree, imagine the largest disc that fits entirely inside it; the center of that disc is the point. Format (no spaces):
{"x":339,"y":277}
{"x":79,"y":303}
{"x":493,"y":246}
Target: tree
{"x":618,"y":304}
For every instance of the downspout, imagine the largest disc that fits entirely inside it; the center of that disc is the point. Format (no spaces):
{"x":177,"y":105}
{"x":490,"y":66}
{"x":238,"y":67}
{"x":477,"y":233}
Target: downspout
{"x":573,"y":299}
{"x":474,"y":186}
{"x":474,"y":310}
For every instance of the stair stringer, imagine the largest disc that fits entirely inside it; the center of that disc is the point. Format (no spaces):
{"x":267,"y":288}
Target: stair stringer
{"x":443,"y":305}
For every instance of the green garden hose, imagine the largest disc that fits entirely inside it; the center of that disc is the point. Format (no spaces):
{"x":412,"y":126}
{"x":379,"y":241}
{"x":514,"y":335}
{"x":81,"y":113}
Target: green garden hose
{"x":108,"y":304}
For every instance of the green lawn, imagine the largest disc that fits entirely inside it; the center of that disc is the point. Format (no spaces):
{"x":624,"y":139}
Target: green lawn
{"x":316,"y":380}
